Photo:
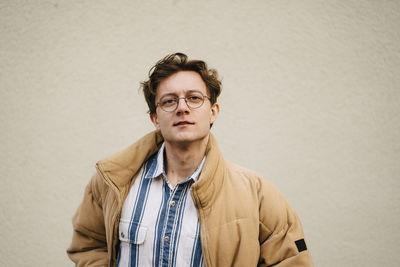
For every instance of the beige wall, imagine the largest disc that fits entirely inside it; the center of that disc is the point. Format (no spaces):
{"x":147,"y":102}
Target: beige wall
{"x":311,"y":100}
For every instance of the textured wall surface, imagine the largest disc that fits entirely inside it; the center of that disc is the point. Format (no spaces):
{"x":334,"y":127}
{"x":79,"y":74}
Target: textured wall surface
{"x":311,"y":100}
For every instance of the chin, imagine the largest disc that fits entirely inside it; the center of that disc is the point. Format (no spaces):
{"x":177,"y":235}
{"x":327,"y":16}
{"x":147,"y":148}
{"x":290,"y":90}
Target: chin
{"x":185,"y":138}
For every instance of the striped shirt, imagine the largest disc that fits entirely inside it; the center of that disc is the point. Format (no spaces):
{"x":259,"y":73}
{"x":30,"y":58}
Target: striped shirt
{"x":159,"y":225}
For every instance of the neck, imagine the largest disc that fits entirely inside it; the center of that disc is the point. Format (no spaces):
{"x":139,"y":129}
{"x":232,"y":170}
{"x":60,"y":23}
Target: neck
{"x":183,"y":159}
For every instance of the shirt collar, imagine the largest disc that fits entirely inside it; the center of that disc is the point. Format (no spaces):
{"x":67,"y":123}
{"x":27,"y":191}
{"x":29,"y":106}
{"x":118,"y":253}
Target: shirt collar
{"x":156,"y":168}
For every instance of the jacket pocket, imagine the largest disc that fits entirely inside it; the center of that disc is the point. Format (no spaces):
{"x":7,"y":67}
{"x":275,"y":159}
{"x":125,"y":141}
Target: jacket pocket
{"x":132,"y":232}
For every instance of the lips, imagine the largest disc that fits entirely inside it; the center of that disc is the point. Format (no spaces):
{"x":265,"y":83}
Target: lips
{"x":179,"y":123}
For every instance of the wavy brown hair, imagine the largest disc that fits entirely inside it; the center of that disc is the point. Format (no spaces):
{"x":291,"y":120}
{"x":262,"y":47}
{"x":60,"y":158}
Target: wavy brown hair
{"x":172,"y":64}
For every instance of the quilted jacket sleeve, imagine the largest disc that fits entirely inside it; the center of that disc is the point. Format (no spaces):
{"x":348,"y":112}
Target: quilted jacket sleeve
{"x":282,"y":242}
{"x":89,"y":246}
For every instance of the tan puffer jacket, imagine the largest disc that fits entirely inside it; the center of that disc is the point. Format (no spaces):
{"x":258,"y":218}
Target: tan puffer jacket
{"x":244,"y":219}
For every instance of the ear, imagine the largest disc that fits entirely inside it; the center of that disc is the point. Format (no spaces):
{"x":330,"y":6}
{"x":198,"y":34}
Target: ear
{"x":154,"y":120}
{"x":214,"y":113}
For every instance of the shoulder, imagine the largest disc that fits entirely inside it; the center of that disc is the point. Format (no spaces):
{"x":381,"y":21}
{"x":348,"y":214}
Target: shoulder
{"x":97,"y":188}
{"x":243,"y":179}
{"x":238,"y":173}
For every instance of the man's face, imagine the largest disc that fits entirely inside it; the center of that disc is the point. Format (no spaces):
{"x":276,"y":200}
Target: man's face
{"x":184,"y":125}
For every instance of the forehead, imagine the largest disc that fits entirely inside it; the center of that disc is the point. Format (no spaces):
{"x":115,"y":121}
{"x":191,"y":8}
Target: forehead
{"x":181,"y":82}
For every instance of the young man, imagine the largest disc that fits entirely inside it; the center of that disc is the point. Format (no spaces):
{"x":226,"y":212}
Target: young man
{"x":171,"y":199}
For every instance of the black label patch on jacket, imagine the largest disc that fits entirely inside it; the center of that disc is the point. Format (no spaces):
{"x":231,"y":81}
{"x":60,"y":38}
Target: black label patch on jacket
{"x":301,"y":245}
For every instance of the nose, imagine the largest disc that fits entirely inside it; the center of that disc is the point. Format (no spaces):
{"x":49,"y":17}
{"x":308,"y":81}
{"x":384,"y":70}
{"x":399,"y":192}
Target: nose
{"x":182,"y":106}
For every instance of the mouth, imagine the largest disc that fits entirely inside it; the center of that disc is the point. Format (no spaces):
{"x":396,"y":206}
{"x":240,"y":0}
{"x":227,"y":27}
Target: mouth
{"x":180,"y":123}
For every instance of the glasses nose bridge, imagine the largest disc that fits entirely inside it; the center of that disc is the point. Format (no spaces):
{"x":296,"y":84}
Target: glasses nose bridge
{"x":178,"y":102}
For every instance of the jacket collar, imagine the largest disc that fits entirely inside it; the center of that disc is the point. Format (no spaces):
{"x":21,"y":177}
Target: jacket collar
{"x":120,"y":168}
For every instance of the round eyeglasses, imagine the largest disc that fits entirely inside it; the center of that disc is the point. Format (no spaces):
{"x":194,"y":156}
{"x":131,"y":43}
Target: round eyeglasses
{"x":193,"y":100}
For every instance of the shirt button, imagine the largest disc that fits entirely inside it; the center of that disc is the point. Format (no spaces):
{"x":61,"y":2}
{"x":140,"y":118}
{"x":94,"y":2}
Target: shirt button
{"x":122,"y":235}
{"x":173,"y":203}
{"x":166,"y":239}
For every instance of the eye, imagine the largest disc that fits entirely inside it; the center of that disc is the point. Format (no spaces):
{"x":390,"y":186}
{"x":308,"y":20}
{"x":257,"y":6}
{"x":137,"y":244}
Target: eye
{"x":194,"y":98}
{"x":167,"y":101}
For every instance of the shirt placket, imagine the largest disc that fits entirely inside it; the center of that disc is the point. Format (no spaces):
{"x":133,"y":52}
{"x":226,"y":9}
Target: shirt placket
{"x":169,"y":241}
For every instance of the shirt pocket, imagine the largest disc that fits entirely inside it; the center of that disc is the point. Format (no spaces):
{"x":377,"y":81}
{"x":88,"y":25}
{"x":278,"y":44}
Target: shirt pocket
{"x":132,"y":232}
